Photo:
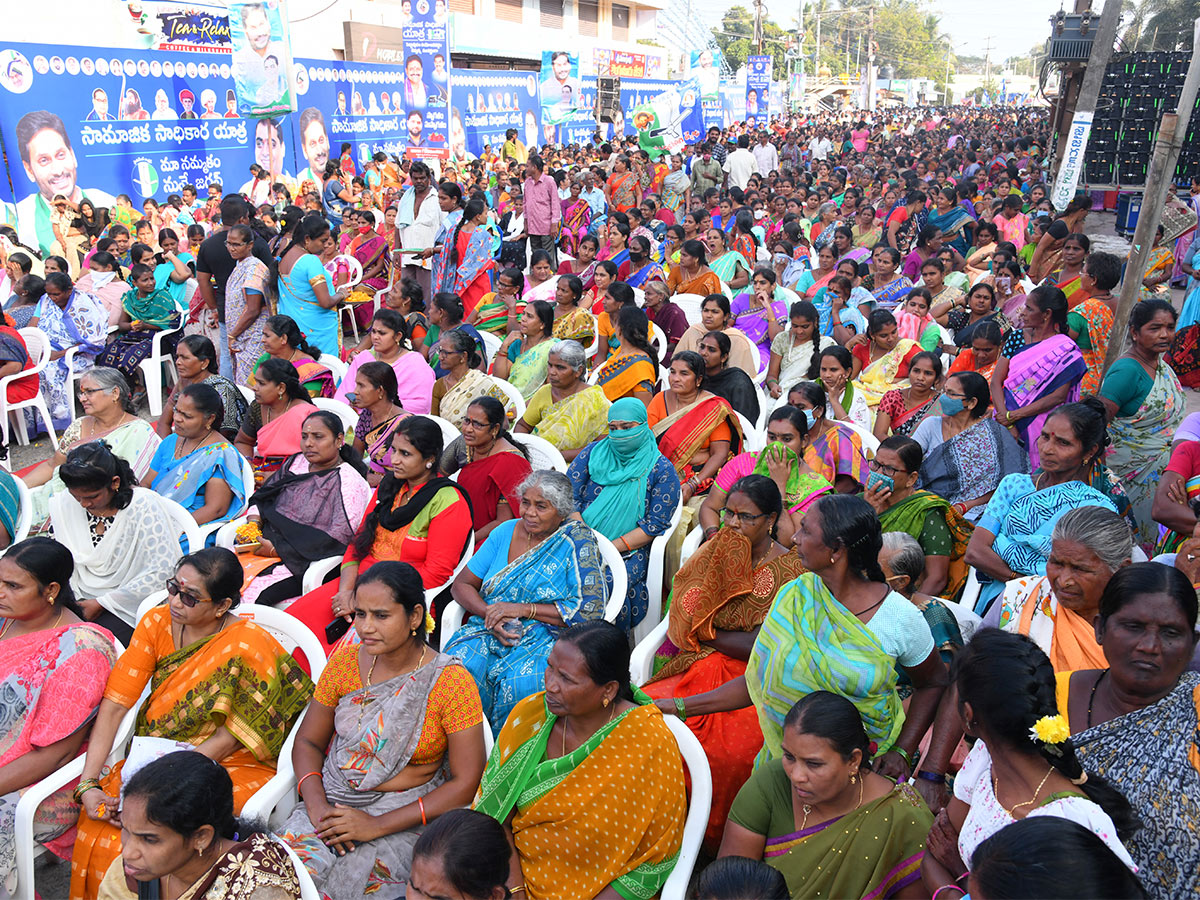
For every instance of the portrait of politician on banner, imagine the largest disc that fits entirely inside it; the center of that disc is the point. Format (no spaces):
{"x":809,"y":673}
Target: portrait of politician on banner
{"x":262,"y":57}
{"x":559,"y":89}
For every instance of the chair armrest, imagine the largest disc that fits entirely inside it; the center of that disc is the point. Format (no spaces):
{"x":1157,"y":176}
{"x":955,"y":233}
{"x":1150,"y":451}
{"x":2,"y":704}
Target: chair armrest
{"x":314,"y":575}
{"x":279,"y":795}
{"x":452,"y":618}
{"x":641,"y":661}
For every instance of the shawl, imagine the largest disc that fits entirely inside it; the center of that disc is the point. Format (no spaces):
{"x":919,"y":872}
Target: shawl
{"x":631,"y":763}
{"x":688,"y":429}
{"x":574,"y":421}
{"x":377,"y":441}
{"x":621,"y":464}
{"x":893,"y":292}
{"x":528,"y":371}
{"x":955,"y":225}
{"x":735,"y":386}
{"x":1028,"y":606}
{"x":303,"y":515}
{"x":157,"y":309}
{"x":725,"y":267}
{"x":376,"y":732}
{"x":474,"y":260}
{"x":1099,"y":320}
{"x":705,"y":283}
{"x":281,"y":436}
{"x":1037,"y":370}
{"x":972,"y":462}
{"x":136,"y":555}
{"x":909,"y":516}
{"x":883,"y":374}
{"x":1151,"y":756}
{"x":624,"y":374}
{"x":810,"y":642}
{"x":651,"y":271}
{"x":885,"y":838}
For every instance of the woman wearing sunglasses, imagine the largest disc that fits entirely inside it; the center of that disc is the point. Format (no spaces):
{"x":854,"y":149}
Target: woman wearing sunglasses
{"x":219,"y":682}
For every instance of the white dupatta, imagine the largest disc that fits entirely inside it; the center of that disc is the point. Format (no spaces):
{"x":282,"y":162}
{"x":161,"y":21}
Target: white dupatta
{"x":134,"y":558}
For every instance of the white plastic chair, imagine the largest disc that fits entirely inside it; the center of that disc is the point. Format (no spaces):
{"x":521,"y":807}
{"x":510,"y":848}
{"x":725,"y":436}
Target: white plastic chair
{"x":491,"y":346}
{"x":453,"y":615}
{"x":308,"y":888}
{"x":656,"y":340}
{"x":542,"y":453}
{"x":869,"y":441}
{"x":28,"y":850}
{"x":449,"y":432}
{"x":342,"y":410}
{"x":699,"y":806}
{"x":38,"y":347}
{"x":754,"y":437}
{"x":184,"y":523}
{"x":248,"y":393}
{"x":690,"y":304}
{"x":641,"y":661}
{"x":335,"y":365}
{"x":356,"y":272}
{"x":655,"y":576}
{"x":788,"y":296}
{"x":153,"y":367}
{"x":24,"y":512}
{"x":213,"y":527}
{"x":691,"y":544}
{"x":514,"y":402}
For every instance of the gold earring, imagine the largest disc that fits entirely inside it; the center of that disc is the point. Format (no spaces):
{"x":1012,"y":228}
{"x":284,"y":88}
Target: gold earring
{"x":854,"y":778}
{"x":606,"y":703}
{"x":413,"y":633}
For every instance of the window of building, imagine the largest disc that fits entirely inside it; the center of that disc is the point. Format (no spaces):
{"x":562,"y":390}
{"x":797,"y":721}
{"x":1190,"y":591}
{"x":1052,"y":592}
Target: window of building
{"x":552,"y":13}
{"x":589,"y":17}
{"x":463,"y":6}
{"x":620,"y":22}
{"x":509,"y":10}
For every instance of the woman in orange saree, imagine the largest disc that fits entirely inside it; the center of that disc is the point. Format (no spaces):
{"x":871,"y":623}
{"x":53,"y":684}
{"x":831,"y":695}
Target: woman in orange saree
{"x":218,"y":682}
{"x":721,"y":596}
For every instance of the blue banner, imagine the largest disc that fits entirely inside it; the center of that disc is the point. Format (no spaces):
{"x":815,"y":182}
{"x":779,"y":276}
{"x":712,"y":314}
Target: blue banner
{"x":426,"y":79}
{"x":487,"y":104}
{"x":560,"y":88}
{"x":758,"y":90}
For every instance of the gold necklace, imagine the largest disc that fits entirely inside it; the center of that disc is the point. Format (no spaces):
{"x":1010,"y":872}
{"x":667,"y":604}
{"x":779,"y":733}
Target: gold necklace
{"x":862,"y":784}
{"x":1041,"y":784}
{"x":367,"y":698}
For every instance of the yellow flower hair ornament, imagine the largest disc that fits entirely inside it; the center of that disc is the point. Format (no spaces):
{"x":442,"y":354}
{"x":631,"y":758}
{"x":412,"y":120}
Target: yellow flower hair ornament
{"x":429,"y":623}
{"x":1051,"y":731}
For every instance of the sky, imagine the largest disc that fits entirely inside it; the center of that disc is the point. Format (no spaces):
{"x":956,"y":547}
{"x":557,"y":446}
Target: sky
{"x":1023,"y":23}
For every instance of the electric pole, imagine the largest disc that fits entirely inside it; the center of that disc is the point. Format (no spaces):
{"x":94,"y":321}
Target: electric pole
{"x":987,"y":61}
{"x":871,"y":58}
{"x":817,"y":48}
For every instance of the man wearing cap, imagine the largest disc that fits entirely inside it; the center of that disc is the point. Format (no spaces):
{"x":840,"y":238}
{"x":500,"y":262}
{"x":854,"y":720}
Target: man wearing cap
{"x":187,"y":100}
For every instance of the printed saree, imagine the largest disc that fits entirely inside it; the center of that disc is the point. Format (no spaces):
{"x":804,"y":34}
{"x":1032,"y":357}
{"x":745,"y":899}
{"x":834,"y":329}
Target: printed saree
{"x":576,"y":219}
{"x":1099,"y":320}
{"x":1036,"y":371}
{"x":565,"y":570}
{"x":239,"y":678}
{"x":574,"y":421}
{"x":909,"y":516}
{"x":469,"y":276}
{"x":376,"y":732}
{"x":972,"y":463}
{"x":126,"y":350}
{"x":576,"y":325}
{"x":183,"y":479}
{"x":1152,"y":756}
{"x":468,"y":389}
{"x":955,"y":225}
{"x":682,"y":433}
{"x":810,"y":642}
{"x":718,"y":590}
{"x":528,"y":372}
{"x":626,"y":373}
{"x":1141,"y":447}
{"x":883,"y":374}
{"x":892,"y":293}
{"x":51,"y":683}
{"x":277,"y":440}
{"x":377,"y":440}
{"x":623,"y":788}
{"x":1028,"y":606}
{"x":83,"y":324}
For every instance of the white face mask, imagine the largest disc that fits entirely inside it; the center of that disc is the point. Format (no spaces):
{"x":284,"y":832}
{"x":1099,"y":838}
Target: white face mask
{"x":101,"y":279}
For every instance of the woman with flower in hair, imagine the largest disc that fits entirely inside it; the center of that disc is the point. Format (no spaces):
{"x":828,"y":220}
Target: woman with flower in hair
{"x":1023,"y":763}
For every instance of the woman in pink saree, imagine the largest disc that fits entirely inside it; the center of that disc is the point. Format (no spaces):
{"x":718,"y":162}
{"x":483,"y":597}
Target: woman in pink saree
{"x":363,"y":242}
{"x":576,"y":218}
{"x":270,"y":431}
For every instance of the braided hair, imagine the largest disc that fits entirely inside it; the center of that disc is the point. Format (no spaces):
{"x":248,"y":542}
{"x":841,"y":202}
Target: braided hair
{"x":1010,"y":685}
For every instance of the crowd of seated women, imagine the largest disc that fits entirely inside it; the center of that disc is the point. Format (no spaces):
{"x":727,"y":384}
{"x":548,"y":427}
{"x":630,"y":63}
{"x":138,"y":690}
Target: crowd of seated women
{"x":911,"y":616}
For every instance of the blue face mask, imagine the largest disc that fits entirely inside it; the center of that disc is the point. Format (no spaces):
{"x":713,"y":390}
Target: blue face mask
{"x":811,"y":417}
{"x":951,"y":406}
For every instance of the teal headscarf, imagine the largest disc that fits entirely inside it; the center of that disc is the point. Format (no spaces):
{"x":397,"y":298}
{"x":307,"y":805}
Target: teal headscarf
{"x":621,"y":463}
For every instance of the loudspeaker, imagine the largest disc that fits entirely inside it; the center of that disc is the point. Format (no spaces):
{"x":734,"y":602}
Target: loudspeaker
{"x":608,"y":99}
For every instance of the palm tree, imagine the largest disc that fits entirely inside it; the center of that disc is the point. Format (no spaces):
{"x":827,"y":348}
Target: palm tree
{"x":1160,"y":24}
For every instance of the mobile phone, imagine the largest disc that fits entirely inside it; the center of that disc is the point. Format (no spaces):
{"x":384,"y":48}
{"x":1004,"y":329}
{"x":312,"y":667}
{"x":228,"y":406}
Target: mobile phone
{"x":879,"y":479}
{"x":1004,"y":282}
{"x":339,"y":626}
{"x":352,"y":398}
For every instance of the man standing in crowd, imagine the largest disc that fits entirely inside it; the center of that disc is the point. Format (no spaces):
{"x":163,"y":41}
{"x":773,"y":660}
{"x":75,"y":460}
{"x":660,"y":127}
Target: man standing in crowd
{"x":418,"y":218}
{"x":765,"y":154}
{"x":741,"y":164}
{"x":706,"y":172}
{"x":543,"y":211}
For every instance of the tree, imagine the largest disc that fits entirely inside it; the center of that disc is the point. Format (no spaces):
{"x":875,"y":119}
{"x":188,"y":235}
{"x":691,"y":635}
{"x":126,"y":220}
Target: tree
{"x":1161,"y":25}
{"x":735,"y":38}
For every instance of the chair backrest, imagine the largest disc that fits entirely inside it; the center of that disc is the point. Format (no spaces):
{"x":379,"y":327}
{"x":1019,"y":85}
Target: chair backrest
{"x":342,"y":410}
{"x":690,"y":304}
{"x":788,"y":296}
{"x":289,"y":631}
{"x":699,"y":806}
{"x":449,"y":432}
{"x":184,"y":523}
{"x":335,"y":365}
{"x":37,"y":345}
{"x":355,"y":267}
{"x":24,"y":511}
{"x":656,"y":340}
{"x":620,"y":577}
{"x":691,"y":544}
{"x":491,"y":344}
{"x":246,"y":392}
{"x":754,"y":437}
{"x":308,"y":888}
{"x":542,"y":453}
{"x":514,"y":401}
{"x":639,"y":297}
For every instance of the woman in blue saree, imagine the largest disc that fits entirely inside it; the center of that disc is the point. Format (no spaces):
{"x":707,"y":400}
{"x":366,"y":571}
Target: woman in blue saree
{"x":195,"y":466}
{"x":533,"y":576}
{"x":952,"y":220}
{"x":306,"y":291}
{"x":69,"y":318}
{"x":642,"y":267}
{"x":463,"y":263}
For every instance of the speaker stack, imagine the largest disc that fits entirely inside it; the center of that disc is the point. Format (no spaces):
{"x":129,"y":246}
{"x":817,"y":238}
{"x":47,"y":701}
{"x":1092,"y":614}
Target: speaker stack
{"x":608,"y":98}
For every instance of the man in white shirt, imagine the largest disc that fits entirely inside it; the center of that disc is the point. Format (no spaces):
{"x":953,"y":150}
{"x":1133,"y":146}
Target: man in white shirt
{"x":820,"y":147}
{"x":741,"y":164}
{"x":418,"y":219}
{"x":765,"y":154}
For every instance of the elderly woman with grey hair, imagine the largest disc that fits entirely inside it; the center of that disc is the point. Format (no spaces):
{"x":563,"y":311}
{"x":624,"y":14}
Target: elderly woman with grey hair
{"x":1057,"y":610}
{"x":903,"y":564}
{"x":107,"y":415}
{"x":534,"y":576}
{"x":566,"y":411}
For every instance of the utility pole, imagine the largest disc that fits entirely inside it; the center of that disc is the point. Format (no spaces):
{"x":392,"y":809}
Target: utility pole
{"x":946,"y":82}
{"x":817,"y":48}
{"x":987,"y":61}
{"x":1162,"y":166}
{"x":871,"y":58}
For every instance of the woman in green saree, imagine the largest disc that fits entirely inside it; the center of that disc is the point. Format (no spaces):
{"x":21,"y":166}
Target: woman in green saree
{"x":901,"y":506}
{"x":523,"y":358}
{"x":145,"y":311}
{"x":729,"y":265}
{"x":836,"y":829}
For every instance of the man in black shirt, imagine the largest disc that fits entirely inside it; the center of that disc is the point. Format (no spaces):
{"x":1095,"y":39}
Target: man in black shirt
{"x":214,"y":265}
